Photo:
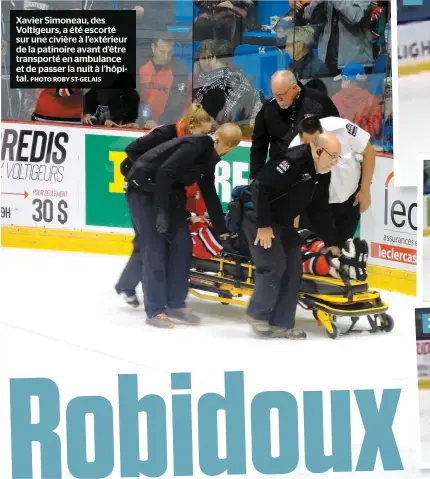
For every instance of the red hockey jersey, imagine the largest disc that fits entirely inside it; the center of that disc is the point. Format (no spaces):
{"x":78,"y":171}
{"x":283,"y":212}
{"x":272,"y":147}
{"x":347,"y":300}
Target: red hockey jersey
{"x":61,"y":105}
{"x":195,"y":201}
{"x":317,"y":264}
{"x":205,"y":243}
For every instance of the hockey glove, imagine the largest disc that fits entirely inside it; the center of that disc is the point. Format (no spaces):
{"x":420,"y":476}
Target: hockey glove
{"x":162,"y":222}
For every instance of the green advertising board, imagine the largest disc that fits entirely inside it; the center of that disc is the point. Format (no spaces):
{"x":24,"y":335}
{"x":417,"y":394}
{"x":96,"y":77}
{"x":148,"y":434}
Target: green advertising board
{"x":428,"y":211}
{"x":105,"y":201}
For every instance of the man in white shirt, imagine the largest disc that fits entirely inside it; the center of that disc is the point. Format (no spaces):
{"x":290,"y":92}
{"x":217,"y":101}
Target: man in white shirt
{"x":349,"y":189}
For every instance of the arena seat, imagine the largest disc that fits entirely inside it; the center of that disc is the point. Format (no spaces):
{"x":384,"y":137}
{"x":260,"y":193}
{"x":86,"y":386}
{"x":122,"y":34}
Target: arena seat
{"x":286,"y":59}
{"x":259,"y":64}
{"x":184,"y":11}
{"x":177,"y":51}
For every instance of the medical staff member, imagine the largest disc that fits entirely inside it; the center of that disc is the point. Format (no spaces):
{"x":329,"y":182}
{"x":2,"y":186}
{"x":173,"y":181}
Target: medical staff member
{"x":280,"y":192}
{"x":196,"y":121}
{"x":156,"y":198}
{"x":349,"y":189}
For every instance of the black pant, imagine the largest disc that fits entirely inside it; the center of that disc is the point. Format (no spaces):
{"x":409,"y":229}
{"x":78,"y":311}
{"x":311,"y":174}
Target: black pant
{"x":333,"y":222}
{"x":165,"y":258}
{"x":132,"y":273}
{"x":278,"y":273}
{"x":346,"y":217}
{"x":318,"y":216}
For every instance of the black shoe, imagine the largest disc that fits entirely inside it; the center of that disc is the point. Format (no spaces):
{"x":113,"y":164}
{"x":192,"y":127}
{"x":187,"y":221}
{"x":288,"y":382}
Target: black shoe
{"x":129,"y":297}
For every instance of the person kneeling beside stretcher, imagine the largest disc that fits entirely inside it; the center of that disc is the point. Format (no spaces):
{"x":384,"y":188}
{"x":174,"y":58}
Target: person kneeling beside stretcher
{"x":317,"y":258}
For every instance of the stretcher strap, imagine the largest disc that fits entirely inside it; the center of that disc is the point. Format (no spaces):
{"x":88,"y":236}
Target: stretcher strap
{"x":238,"y":275}
{"x":347,"y":281}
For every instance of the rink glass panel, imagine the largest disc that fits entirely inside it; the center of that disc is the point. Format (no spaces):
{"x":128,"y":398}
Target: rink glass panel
{"x":238,"y":51}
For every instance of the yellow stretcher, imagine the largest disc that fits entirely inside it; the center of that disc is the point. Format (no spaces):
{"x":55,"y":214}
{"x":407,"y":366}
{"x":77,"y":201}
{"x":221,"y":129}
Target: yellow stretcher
{"x":328,"y":298}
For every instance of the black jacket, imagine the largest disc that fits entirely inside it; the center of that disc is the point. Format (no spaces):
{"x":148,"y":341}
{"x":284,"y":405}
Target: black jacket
{"x":309,"y":66}
{"x":284,"y":187}
{"x":277,"y":128}
{"x":123,"y":103}
{"x":178,"y":163}
{"x":145,"y":143}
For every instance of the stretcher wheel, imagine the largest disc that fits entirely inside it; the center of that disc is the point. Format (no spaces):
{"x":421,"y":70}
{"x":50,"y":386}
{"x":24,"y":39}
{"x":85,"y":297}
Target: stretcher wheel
{"x":387,"y":322}
{"x":315,"y":314}
{"x":335,"y":333}
{"x":327,"y":320}
{"x":224,"y":296}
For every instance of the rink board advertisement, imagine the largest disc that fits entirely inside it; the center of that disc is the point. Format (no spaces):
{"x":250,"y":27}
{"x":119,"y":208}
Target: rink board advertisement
{"x":105,"y":183}
{"x":73,"y":183}
{"x":42,"y":173}
{"x":391,"y":228}
{"x":413,"y":44}
{"x":426,"y":215}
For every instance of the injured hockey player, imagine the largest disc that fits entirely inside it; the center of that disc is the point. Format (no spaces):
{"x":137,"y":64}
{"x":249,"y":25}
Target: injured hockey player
{"x":317,"y":258}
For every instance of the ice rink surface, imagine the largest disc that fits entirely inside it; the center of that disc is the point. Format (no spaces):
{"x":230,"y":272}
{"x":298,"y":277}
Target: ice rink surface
{"x":414,"y":105}
{"x":61,"y":319}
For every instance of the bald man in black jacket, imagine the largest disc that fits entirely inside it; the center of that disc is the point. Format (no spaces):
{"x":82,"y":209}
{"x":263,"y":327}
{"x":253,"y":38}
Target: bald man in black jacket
{"x":280,"y":192}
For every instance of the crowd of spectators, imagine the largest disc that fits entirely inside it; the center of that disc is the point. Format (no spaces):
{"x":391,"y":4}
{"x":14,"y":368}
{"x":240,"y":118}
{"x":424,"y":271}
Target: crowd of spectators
{"x":338,"y":47}
{"x":427,"y":177}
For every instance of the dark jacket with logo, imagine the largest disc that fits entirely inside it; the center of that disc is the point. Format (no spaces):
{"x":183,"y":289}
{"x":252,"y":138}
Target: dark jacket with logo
{"x":309,"y":66}
{"x":283,"y":189}
{"x":172,"y":166}
{"x":276,"y":128}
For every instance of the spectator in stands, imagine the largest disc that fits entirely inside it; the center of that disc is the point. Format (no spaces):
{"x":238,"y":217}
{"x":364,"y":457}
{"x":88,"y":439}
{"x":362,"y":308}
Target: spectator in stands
{"x":355,"y":103}
{"x":281,"y":28}
{"x":377,"y":25}
{"x":427,"y":177}
{"x":116,"y":106}
{"x":162,"y":83}
{"x":152,"y":18}
{"x":25,"y":104}
{"x":224,"y":91}
{"x":221,"y":20}
{"x":60,"y":104}
{"x":347,"y":35}
{"x":305,"y":64}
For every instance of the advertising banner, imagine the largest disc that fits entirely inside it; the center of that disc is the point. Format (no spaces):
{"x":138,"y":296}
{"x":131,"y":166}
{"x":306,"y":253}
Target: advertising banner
{"x":390,"y":224}
{"x":426,"y":213}
{"x":105,"y":202}
{"x":69,"y":178}
{"x":412,"y":11}
{"x":413,"y":43}
{"x":42,"y":176}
